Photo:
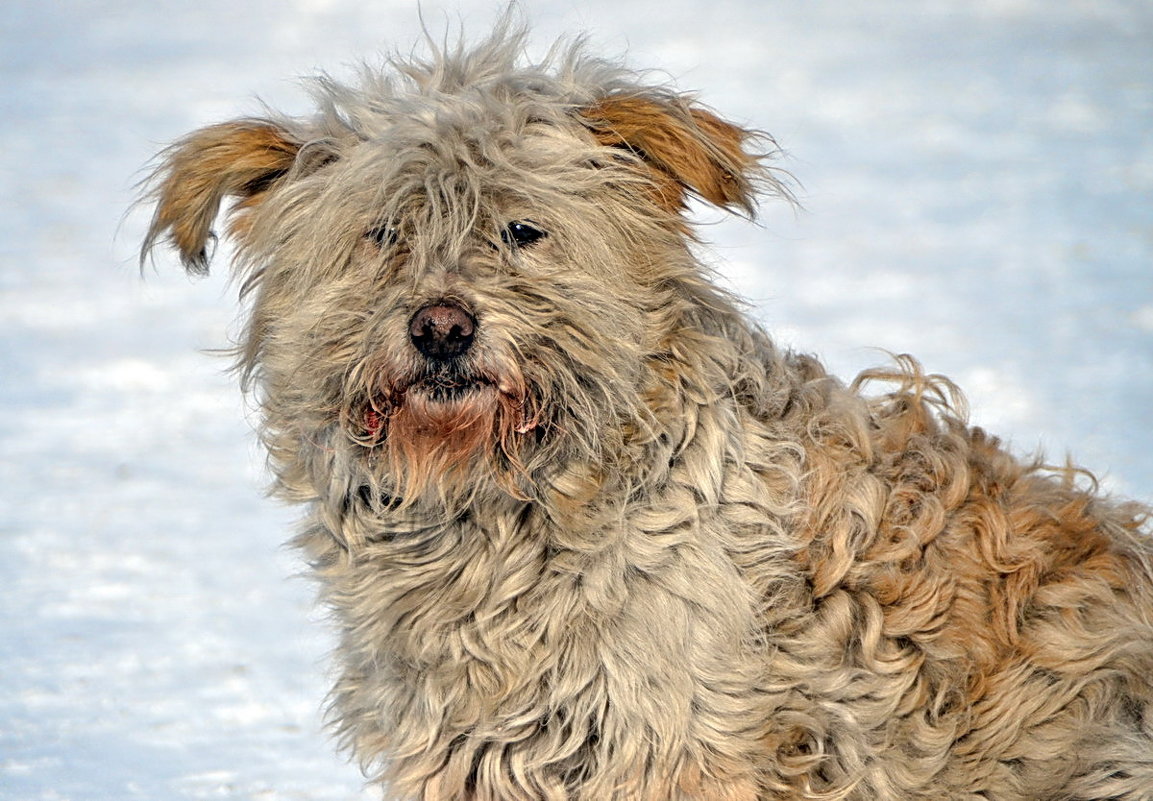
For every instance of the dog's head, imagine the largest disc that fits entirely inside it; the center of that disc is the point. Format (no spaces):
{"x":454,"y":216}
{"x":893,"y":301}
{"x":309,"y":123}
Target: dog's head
{"x":464,"y":270}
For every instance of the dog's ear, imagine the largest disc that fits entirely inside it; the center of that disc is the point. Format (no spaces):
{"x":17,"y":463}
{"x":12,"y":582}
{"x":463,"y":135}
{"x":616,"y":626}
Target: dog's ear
{"x":686,"y":148}
{"x":243,"y":160}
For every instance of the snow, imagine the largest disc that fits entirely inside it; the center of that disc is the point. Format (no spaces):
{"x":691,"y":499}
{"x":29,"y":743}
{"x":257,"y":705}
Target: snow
{"x":978,"y":190}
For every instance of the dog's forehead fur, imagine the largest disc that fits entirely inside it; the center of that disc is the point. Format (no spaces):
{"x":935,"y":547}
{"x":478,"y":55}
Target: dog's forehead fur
{"x":448,"y":151}
{"x":493,"y":80}
{"x":486,"y":109}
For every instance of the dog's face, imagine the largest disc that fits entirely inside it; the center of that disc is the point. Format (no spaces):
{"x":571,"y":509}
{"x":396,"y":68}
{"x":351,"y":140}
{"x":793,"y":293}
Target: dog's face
{"x":455,"y":271}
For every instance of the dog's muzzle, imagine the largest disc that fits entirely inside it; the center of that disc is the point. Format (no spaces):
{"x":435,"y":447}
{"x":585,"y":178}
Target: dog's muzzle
{"x":456,"y":393}
{"x":443,"y":332}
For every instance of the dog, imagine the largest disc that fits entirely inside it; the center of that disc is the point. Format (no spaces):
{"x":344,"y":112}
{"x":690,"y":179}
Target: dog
{"x":588,"y":533}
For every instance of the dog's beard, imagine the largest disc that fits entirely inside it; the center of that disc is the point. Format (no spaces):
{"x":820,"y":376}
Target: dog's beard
{"x":449,"y":430}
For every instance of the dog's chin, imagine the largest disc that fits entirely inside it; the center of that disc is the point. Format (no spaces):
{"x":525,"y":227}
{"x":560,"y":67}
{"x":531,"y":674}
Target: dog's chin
{"x":438,"y":433}
{"x":441,"y":410}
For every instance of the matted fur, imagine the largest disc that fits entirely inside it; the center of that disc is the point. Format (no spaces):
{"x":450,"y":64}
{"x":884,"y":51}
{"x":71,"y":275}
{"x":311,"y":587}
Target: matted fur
{"x":624,"y":548}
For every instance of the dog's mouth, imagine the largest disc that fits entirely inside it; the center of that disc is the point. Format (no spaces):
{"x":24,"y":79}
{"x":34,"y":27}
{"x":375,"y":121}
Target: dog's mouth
{"x":448,"y":386}
{"x":444,"y":399}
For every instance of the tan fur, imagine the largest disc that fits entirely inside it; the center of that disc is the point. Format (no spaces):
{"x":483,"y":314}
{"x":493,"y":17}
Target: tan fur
{"x":685,"y":149}
{"x":240,"y":159}
{"x":620,"y":547}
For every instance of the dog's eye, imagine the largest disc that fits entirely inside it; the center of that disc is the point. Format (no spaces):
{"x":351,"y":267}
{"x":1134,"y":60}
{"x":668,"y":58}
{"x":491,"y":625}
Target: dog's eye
{"x":382,"y":235}
{"x":521,"y":234}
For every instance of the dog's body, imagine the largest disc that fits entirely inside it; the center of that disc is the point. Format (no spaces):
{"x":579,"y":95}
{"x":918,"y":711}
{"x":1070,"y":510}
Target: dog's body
{"x":588,"y":533}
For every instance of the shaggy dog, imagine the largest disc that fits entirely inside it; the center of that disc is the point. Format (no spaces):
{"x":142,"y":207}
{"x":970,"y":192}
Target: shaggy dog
{"x":587,"y":532}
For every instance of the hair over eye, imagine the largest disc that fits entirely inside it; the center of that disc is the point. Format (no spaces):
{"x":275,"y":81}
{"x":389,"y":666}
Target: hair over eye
{"x":521,"y":233}
{"x":383,"y":235}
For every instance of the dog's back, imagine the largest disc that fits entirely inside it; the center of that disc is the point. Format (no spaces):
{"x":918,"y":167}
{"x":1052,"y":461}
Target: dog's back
{"x":973,"y":626}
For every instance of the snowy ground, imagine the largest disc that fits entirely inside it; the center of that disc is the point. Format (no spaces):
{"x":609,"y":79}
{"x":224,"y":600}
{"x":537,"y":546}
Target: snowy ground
{"x":978,"y":184}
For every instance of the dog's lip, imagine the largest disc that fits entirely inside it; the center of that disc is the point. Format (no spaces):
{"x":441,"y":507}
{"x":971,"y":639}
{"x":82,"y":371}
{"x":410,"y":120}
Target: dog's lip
{"x":434,"y":391}
{"x":445,"y":388}
{"x":443,"y":392}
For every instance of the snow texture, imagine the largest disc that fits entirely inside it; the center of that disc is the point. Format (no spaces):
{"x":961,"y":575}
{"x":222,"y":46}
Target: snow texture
{"x":978,"y":190}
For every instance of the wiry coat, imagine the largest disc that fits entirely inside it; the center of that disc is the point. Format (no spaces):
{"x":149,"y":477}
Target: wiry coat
{"x":624,"y":547}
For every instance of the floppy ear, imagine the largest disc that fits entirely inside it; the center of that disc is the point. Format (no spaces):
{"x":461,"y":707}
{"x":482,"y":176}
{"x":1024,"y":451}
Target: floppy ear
{"x":687,"y":149}
{"x":242,"y":159}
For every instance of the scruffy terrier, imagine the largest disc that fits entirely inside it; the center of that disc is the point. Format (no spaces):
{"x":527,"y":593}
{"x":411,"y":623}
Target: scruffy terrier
{"x":588,"y":533}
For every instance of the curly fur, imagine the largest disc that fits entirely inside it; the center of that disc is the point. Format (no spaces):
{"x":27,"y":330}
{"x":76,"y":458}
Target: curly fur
{"x":626,"y":548}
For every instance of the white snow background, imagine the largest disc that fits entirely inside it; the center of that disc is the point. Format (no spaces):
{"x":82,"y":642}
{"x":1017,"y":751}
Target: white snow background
{"x":978,"y":190}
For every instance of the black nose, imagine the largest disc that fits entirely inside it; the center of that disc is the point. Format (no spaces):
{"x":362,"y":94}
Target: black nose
{"x":442,"y":330}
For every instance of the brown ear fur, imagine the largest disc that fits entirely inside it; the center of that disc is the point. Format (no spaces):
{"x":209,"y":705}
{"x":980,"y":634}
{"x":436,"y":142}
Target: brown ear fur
{"x":240,"y":159}
{"x":687,"y":149}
